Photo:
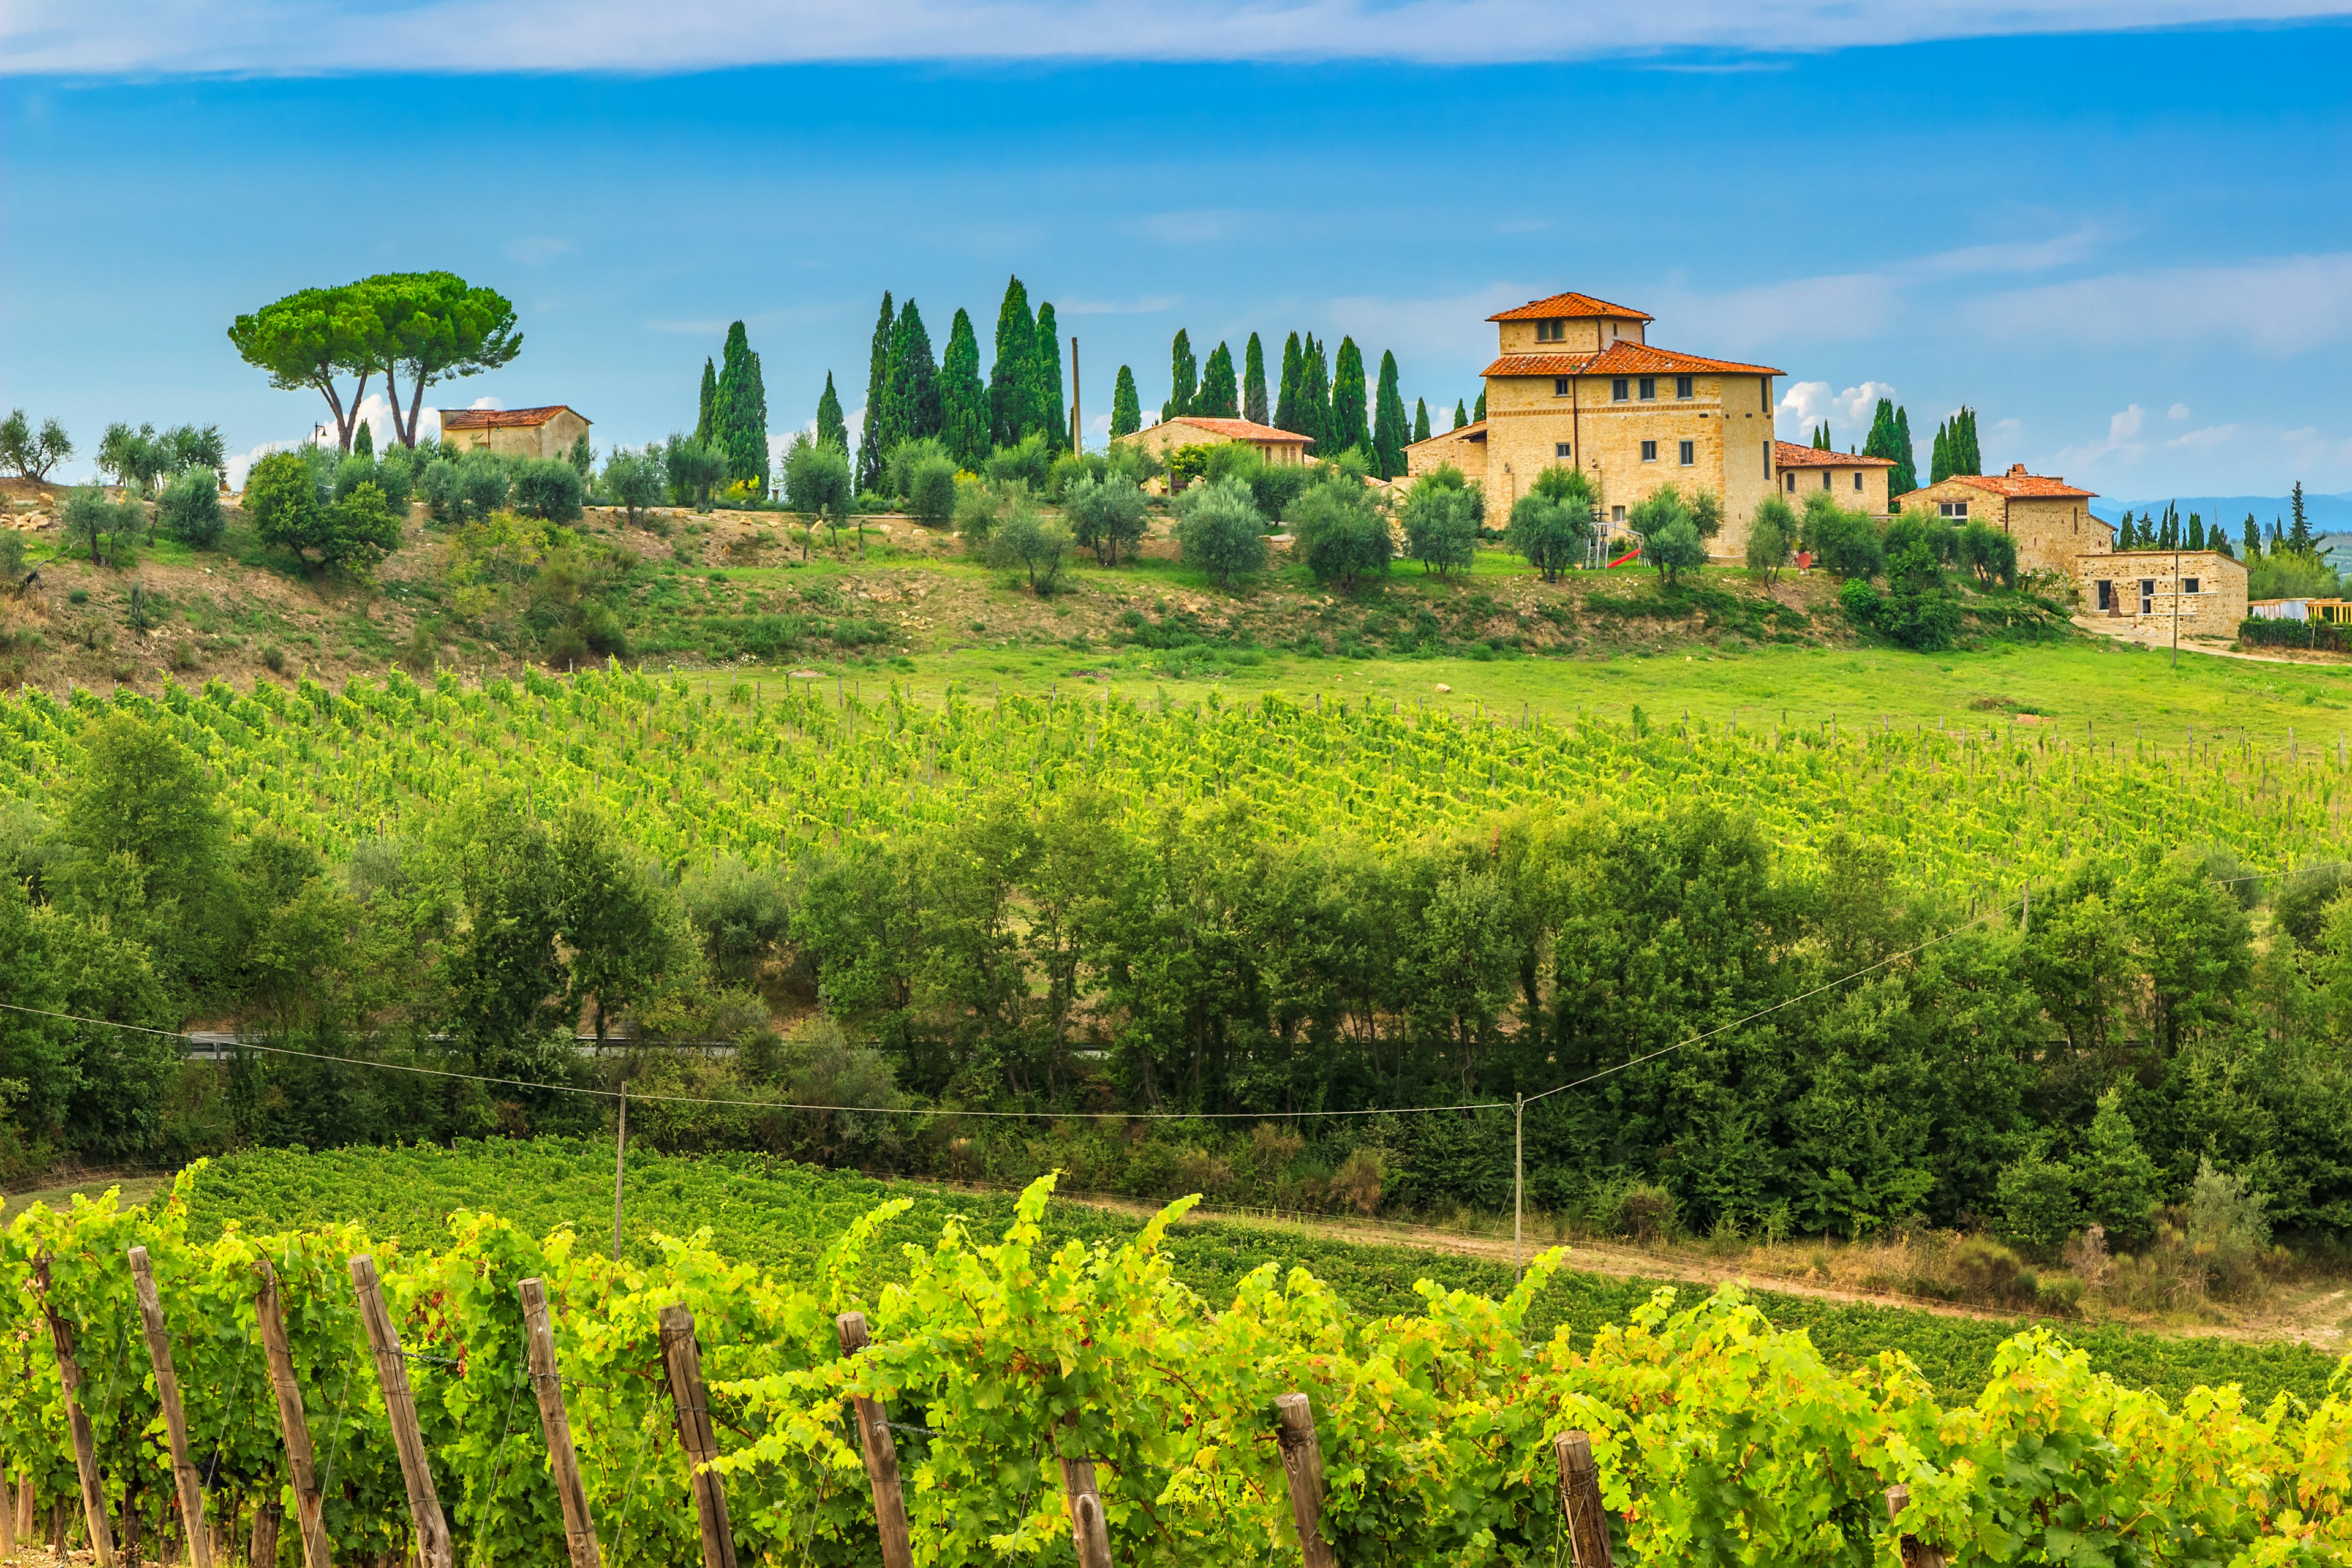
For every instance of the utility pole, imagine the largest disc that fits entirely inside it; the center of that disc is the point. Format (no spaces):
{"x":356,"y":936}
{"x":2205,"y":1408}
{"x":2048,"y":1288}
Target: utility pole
{"x":620,"y":1150}
{"x":1077,"y":441}
{"x":2176,"y":599}
{"x":1519,"y":1174}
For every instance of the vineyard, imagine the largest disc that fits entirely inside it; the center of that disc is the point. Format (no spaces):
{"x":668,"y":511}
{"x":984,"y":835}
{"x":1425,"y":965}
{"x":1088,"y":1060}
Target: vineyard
{"x":494,"y":1397}
{"x":697,"y":768}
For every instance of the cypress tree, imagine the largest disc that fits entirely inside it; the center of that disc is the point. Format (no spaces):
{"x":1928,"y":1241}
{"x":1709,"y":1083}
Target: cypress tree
{"x":1219,"y":397}
{"x":1420,"y":419}
{"x":1183,"y":375}
{"x":2196,"y":531}
{"x":709,"y":396}
{"x":1012,"y":381}
{"x":2124,"y":531}
{"x":1126,"y":408}
{"x":1253,"y":382}
{"x":1939,"y":465}
{"x":1314,"y":397}
{"x":1967,"y":458}
{"x":1478,"y":414}
{"x":363,"y":441}
{"x":1822,"y":437}
{"x":878,"y":375}
{"x":1285,"y":407}
{"x":1389,"y":429}
{"x":911,"y":408}
{"x":963,"y":400}
{"x":739,"y":412}
{"x":1052,"y":410}
{"x":1461,"y":415}
{"x":1348,"y":410}
{"x":1905,"y":478}
{"x":2252,"y":537}
{"x":831,"y":429}
{"x":2168,"y":533}
{"x":2299,"y":540}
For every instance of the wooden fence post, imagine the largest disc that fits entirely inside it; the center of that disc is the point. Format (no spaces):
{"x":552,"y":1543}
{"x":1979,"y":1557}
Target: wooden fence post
{"x":881,"y":1456}
{"x":85,"y":1443}
{"x":1302,"y":1467}
{"x":1579,"y":1494}
{"x":1088,"y":1529}
{"x":683,"y":1358}
{"x":547,"y":1382}
{"x":27,"y":1503}
{"x":1915,"y":1554}
{"x":263,"y":1551}
{"x":310,"y":1506}
{"x":8,"y":1521}
{"x":190,"y":1486}
{"x":433,"y":1548}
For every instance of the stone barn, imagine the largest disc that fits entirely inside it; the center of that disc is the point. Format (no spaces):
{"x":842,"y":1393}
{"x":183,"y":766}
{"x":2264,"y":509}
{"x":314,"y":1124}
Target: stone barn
{"x":546,"y":432}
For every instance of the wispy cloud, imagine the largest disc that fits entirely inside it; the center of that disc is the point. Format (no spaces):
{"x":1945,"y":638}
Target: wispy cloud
{"x":2279,"y":304}
{"x":305,"y":36}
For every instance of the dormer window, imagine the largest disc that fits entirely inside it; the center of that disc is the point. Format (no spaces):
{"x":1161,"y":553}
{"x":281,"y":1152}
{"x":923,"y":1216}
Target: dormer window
{"x":1554,"y":332}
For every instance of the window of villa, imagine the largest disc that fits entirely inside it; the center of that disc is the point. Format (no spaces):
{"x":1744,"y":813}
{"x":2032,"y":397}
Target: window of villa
{"x":1616,"y":514}
{"x":1649,"y":387}
{"x":1825,"y":478}
{"x":1559,"y":449}
{"x":1953,"y":509}
{"x":1683,"y":386}
{"x":1617,"y":389}
{"x":2190,"y":585}
{"x":1791,"y":477}
{"x":1560,"y":386}
{"x":1857,"y":478}
{"x":1552,"y":332}
{"x":1649,"y":451}
{"x":1689,"y":453}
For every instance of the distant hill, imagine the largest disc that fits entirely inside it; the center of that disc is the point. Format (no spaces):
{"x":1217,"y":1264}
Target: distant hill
{"x":2329,"y":514}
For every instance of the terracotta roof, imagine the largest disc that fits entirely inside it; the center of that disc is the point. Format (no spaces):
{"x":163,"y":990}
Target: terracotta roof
{"x":505,"y":418}
{"x":1563,"y":305}
{"x":1239,"y":429}
{"x":1788,"y":455}
{"x":1470,"y":432}
{"x":2017,"y":482}
{"x":1620,"y":358}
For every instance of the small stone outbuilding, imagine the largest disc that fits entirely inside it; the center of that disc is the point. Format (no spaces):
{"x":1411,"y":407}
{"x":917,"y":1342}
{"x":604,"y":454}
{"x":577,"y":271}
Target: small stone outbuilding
{"x":1856,"y":482}
{"x":547,"y":432}
{"x":2050,"y":518}
{"x":1282,"y":449}
{"x":2139,"y":586}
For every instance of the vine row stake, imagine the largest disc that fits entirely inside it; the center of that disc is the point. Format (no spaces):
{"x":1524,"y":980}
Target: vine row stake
{"x":683,"y":1358}
{"x":1088,"y":1529}
{"x":263,"y":1551}
{"x":1302,"y":1467}
{"x":547,"y":1382}
{"x":27,"y":1503}
{"x":176,"y":1420}
{"x":310,"y":1507}
{"x":1916,"y":1553}
{"x":85,"y":1443}
{"x":881,"y":1456}
{"x":7,"y":1521}
{"x":1579,"y":1494}
{"x":433,"y":1547}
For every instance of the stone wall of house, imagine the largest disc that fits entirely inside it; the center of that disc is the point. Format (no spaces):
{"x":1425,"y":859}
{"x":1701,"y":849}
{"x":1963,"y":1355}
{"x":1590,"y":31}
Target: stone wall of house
{"x":1581,"y":335}
{"x":1858,"y":489}
{"x":1464,"y":448}
{"x":2050,"y":531}
{"x":552,"y":439}
{"x":2140,"y":589}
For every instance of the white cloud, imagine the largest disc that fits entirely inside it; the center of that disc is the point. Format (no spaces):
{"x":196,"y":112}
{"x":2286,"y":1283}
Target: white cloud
{"x":2122,"y":443}
{"x":538,"y":249}
{"x":1807,"y":403}
{"x":486,"y":403}
{"x":301,"y":37}
{"x":2177,"y":411}
{"x":2210,"y":437}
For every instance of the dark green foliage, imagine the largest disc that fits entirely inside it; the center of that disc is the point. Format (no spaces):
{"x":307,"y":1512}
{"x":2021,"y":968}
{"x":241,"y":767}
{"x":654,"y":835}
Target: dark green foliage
{"x":1844,"y":543}
{"x":1441,"y":521}
{"x":1220,"y":394}
{"x":694,"y":470}
{"x":872,"y":452}
{"x":1461,"y":415}
{"x":932,"y":490}
{"x":1025,"y":542}
{"x":912,"y":409}
{"x":1339,"y":531}
{"x":1552,"y":525}
{"x":1822,"y":437}
{"x":1012,"y":377}
{"x":1478,"y":414}
{"x":1126,"y":408}
{"x":2298,"y":539}
{"x":1419,"y":420}
{"x":1919,"y":609}
{"x":634,"y":480}
{"x":281,"y":498}
{"x":1670,"y":537}
{"x":1391,"y":432}
{"x":707,"y":402}
{"x":364,"y":441}
{"x":963,"y":396}
{"x":1219,"y":529}
{"x":1904,"y":478}
{"x":548,"y":489}
{"x":1314,"y":419}
{"x":1771,"y":537}
{"x":1105,"y":512}
{"x":1956,"y":447}
{"x":1028,"y":462}
{"x":738,"y":413}
{"x":1989,"y":552}
{"x":1349,"y":428}
{"x":1287,"y":409}
{"x":32,"y":456}
{"x":1052,"y":405}
{"x":1254,"y":402}
{"x":831,"y":429}
{"x":581,"y":456}
{"x":1183,"y":376}
{"x":2117,"y":1183}
{"x":190,"y":510}
{"x":816,"y":477}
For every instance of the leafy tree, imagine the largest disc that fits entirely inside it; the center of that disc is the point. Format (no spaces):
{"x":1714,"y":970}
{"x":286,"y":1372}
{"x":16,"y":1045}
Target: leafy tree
{"x":1841,"y":542}
{"x":1287,"y":404}
{"x":360,"y":530}
{"x":1220,"y":394}
{"x":1350,"y":406}
{"x":1419,"y":420}
{"x":1967,"y":453}
{"x":636,"y":480}
{"x":694,"y":469}
{"x":1772,"y":533}
{"x":871,"y":449}
{"x":282,"y":499}
{"x":135,"y":457}
{"x":581,"y":456}
{"x":931,"y":489}
{"x":190,"y":509}
{"x":1340,"y":533}
{"x":1254,"y":404}
{"x":1478,"y":414}
{"x":831,"y":428}
{"x":1669,"y":534}
{"x":1184,"y":374}
{"x":2037,"y":1200}
{"x":2117,"y":1181}
{"x":738,"y":413}
{"x":144,"y":815}
{"x":816,"y":477}
{"x":1989,"y":552}
{"x":912,"y":407}
{"x":1552,"y":525}
{"x":1013,"y":376}
{"x":87,"y":518}
{"x":706,"y":418}
{"x":436,"y":327}
{"x":542,"y":488}
{"x":311,"y":339}
{"x":1022,"y":541}
{"x":30,"y":455}
{"x":1441,"y":523}
{"x":1940,"y":463}
{"x":1105,"y":513}
{"x":963,"y":396}
{"x":625,"y":939}
{"x":1053,"y":408}
{"x":1126,"y":408}
{"x":1390,"y":430}
{"x":1220,"y":531}
{"x":2195,"y":538}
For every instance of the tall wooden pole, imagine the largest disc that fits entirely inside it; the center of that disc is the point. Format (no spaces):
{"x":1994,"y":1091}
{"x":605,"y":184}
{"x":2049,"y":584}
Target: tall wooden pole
{"x":1579,"y":1494}
{"x":190,"y":1487}
{"x":620,"y":1149}
{"x":881,"y":1457}
{"x":432,"y":1546}
{"x":310,"y":1506}
{"x":85,"y":1442}
{"x":1518,"y":1173}
{"x":1088,"y":1529}
{"x":1077,"y":441}
{"x":1302,"y":1468}
{"x":683,"y":1358}
{"x":546,"y":1381}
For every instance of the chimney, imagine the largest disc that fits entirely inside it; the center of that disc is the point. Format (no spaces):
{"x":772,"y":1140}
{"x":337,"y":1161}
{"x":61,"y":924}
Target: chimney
{"x":2017,"y":470}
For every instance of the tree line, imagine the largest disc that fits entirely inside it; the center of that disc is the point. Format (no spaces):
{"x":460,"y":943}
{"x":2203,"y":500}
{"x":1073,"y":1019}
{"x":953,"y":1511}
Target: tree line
{"x":1320,"y":396}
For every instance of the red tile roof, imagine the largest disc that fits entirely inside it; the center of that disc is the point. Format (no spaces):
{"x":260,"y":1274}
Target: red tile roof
{"x":1240,"y":429}
{"x":1621,"y":358}
{"x":1563,"y":305}
{"x":2018,"y":482}
{"x":506,"y":418}
{"x":1788,"y":455}
{"x":1474,"y":431}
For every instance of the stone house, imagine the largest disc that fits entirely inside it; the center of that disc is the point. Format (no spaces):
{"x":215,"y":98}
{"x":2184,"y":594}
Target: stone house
{"x":2050,"y":518}
{"x":1856,"y":482}
{"x":513,"y":432}
{"x":1283,"y":449}
{"x":2139,"y":586}
{"x":1576,"y":381}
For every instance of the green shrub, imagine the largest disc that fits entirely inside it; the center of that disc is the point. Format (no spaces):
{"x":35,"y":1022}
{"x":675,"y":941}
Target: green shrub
{"x":1552,"y":526}
{"x":1105,"y":513}
{"x":190,"y":509}
{"x":1220,"y":531}
{"x":1441,"y":525}
{"x":548,"y":489}
{"x":1841,"y":542}
{"x":1025,"y":542}
{"x":1341,"y":534}
{"x":1028,"y":463}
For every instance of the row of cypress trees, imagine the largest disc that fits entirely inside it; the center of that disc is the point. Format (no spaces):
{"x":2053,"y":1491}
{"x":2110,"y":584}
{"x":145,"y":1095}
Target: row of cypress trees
{"x":1956,"y":450}
{"x":911,"y":395}
{"x":1320,"y":398}
{"x":733,"y":413}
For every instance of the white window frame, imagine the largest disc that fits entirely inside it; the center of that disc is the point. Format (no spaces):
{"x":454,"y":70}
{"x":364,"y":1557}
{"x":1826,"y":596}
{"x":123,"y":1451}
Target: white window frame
{"x":1957,"y":510}
{"x":1561,"y":452}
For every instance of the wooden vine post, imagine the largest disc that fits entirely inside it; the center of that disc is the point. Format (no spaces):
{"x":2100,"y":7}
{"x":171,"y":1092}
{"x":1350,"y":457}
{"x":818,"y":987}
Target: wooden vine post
{"x":26,"y":1502}
{"x":8,"y":1521}
{"x":1579,"y":1495}
{"x":190,"y":1486}
{"x":881,"y":1456}
{"x":1088,"y":1529}
{"x":1915,"y":1554}
{"x":310,"y":1506}
{"x":433,"y":1547}
{"x":1302,"y":1467}
{"x":85,"y":1442}
{"x":547,"y":1382}
{"x":263,"y":1551}
{"x":683,"y":1358}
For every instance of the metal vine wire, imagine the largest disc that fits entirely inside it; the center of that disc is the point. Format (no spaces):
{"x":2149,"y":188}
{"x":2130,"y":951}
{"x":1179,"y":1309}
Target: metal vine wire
{"x":498,"y":1461}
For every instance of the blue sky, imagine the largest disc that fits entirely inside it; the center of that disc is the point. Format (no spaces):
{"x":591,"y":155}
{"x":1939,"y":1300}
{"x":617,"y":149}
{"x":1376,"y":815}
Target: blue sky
{"x":2130,"y":251}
